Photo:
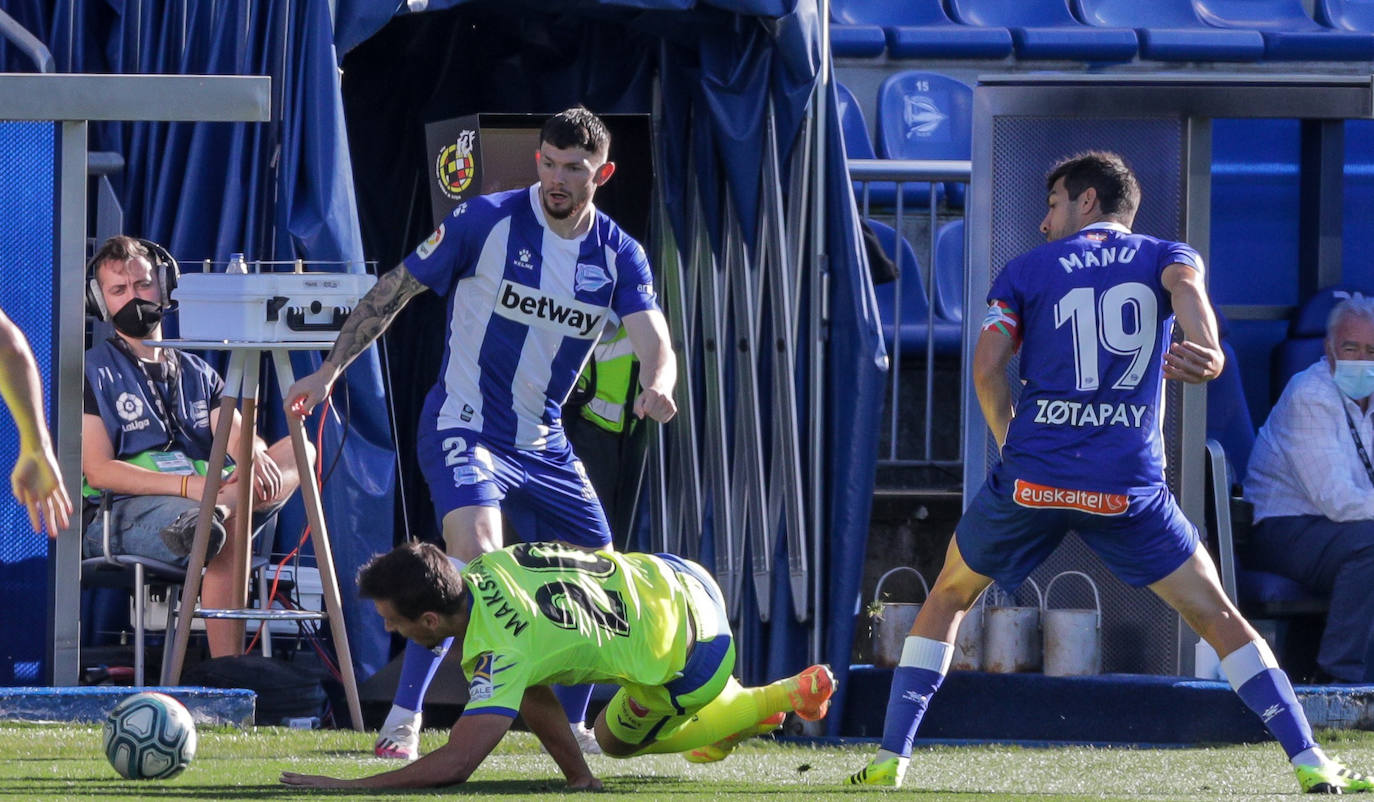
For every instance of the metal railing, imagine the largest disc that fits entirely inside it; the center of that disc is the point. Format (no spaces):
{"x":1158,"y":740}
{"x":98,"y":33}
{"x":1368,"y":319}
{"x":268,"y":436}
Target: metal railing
{"x":903,"y":172}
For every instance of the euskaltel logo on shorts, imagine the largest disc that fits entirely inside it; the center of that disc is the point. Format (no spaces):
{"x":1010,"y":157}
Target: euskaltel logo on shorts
{"x":533,"y":307}
{"x":1030,"y":494}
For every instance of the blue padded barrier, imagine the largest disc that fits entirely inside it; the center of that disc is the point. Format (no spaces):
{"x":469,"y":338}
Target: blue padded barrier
{"x":949,"y":272}
{"x":1103,"y":709}
{"x":910,"y":288}
{"x":1170,"y":30}
{"x":920,"y":29}
{"x":1289,"y":33}
{"x":1047,"y":29}
{"x":221,"y":707}
{"x":925,"y":115}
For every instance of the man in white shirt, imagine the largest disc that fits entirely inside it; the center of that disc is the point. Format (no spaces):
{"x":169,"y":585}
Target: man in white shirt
{"x":1311,"y":480}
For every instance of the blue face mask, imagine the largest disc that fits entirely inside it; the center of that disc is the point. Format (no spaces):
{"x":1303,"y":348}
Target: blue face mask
{"x":1355,"y":377}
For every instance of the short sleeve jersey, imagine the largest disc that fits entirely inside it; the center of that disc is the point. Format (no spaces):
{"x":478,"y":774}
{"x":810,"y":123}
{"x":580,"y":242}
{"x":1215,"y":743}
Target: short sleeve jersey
{"x":1092,"y":318}
{"x":144,"y":412}
{"x":544,"y":613}
{"x":526,"y":306}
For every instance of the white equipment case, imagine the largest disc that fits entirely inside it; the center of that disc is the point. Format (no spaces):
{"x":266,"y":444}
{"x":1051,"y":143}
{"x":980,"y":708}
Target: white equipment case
{"x":267,"y":307}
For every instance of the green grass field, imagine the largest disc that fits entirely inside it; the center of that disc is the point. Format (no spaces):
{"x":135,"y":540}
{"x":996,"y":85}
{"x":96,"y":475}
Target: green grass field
{"x":45,"y":762}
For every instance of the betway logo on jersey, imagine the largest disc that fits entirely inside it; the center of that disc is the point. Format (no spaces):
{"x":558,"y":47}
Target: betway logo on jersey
{"x":531,"y":306}
{"x":1076,"y":413}
{"x":1030,"y":494}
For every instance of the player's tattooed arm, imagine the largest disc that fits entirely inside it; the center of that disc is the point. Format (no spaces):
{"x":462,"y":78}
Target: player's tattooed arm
{"x":369,"y":319}
{"x":374,"y":314}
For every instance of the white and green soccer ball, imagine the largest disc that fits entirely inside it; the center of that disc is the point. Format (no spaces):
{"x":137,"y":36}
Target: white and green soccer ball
{"x":150,"y":736}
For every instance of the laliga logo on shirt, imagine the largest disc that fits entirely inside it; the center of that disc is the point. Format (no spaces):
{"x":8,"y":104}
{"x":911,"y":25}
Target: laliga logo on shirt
{"x":590,"y":278}
{"x":480,"y":689}
{"x":129,"y":406}
{"x":427,"y":247}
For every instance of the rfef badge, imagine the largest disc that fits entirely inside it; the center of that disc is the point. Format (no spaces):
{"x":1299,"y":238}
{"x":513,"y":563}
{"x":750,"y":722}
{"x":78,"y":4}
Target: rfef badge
{"x":456,"y":166}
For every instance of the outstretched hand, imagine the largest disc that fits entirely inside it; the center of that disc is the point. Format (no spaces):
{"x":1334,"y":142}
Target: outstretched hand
{"x":37,"y":484}
{"x":312,"y":780}
{"x":308,"y":391}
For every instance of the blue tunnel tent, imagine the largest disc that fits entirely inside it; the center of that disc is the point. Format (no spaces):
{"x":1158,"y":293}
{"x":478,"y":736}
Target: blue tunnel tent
{"x":719,"y":69}
{"x":734,"y":81}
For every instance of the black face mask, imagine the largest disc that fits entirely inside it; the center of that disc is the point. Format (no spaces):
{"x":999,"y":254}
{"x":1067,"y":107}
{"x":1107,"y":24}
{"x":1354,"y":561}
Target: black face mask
{"x":137,"y":318}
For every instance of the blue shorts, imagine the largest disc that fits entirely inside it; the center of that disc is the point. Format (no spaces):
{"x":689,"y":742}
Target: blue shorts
{"x":1141,"y":535}
{"x":545,"y":494}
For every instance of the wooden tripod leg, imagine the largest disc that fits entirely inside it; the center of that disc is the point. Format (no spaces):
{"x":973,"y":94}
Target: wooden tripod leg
{"x":319,"y":539}
{"x":196,"y":561}
{"x":240,"y":541}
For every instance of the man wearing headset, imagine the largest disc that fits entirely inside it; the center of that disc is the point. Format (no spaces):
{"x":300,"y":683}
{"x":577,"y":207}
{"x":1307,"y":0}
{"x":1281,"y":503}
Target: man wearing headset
{"x":149,"y":417}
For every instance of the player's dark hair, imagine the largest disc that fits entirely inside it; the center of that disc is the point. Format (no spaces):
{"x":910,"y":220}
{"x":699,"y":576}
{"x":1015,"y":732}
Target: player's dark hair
{"x":415,"y":578}
{"x":577,"y":128}
{"x":1118,"y":191}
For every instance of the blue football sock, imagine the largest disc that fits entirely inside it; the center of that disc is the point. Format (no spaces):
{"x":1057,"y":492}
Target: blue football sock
{"x":417,"y":670}
{"x":1256,"y":677}
{"x":574,"y":699}
{"x":922,"y":668}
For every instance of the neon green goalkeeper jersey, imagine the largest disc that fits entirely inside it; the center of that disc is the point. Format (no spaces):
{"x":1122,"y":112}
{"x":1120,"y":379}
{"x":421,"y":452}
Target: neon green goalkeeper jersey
{"x":545,"y":613}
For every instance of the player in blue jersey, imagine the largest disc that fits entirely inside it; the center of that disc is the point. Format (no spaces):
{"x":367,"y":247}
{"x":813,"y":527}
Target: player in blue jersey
{"x":533,"y":278}
{"x":1088,"y":312}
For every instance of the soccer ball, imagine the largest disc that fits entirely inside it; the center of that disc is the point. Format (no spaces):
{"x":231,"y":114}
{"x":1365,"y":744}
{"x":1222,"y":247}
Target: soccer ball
{"x":150,"y":736}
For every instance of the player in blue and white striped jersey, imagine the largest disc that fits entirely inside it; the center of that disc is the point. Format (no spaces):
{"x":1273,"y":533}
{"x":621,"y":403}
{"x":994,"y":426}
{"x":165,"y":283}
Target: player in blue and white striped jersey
{"x":532,"y":279}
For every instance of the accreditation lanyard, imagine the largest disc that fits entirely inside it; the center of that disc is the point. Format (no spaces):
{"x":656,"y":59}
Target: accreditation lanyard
{"x":1359,"y":446}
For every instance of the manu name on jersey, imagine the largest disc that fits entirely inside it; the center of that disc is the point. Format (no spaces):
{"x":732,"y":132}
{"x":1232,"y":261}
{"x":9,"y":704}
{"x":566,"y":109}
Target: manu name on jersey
{"x":1094,"y":321}
{"x":526,"y":307}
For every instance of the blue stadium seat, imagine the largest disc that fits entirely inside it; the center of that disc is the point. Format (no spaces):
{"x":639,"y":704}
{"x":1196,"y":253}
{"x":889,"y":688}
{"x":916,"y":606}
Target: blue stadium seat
{"x":926,"y":115}
{"x":1228,"y":414}
{"x":919,"y":29}
{"x":1289,"y":34}
{"x":1229,"y":424}
{"x":910,"y":288}
{"x":949,"y":272}
{"x":1047,"y":29}
{"x":857,"y":145}
{"x":855,"y":35}
{"x":1346,"y":15}
{"x":1170,"y":30}
{"x":1306,"y":335}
